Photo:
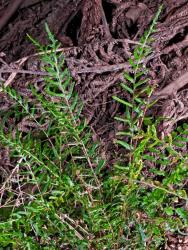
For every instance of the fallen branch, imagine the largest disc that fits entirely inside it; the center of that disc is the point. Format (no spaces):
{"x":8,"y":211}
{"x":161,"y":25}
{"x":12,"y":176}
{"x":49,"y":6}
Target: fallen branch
{"x":107,"y":68}
{"x":8,"y":13}
{"x":172,"y":88}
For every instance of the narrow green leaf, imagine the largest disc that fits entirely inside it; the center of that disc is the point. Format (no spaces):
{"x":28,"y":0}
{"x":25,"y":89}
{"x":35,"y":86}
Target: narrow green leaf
{"x":124,"y":144}
{"x":123,"y":120}
{"x":129,"y":78}
{"x":128,"y":114}
{"x":100,"y":165}
{"x":132,"y":63}
{"x":139,"y":100}
{"x":141,"y":82}
{"x":149,"y":157}
{"x":181,"y":139}
{"x":124,"y":86}
{"x":136,"y":54}
{"x":122,"y":101}
{"x":139,"y":74}
{"x":74,"y":102}
{"x":124,"y":133}
{"x":121,"y":167}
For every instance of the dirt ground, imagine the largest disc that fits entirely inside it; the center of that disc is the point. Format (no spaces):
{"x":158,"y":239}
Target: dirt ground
{"x":98,"y":38}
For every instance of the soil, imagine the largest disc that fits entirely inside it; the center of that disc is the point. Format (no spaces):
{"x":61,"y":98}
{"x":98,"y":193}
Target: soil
{"x":98,"y":37}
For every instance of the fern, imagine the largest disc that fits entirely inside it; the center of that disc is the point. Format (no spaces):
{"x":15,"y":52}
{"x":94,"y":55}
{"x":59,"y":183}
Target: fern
{"x":141,"y":194}
{"x":60,"y":164}
{"x":136,"y":86}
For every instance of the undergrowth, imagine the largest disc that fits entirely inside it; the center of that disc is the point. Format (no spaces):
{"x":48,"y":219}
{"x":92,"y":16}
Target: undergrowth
{"x":59,"y":195}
